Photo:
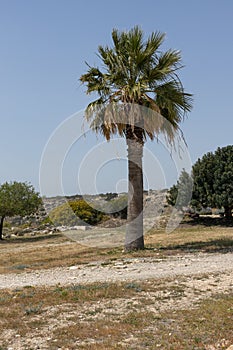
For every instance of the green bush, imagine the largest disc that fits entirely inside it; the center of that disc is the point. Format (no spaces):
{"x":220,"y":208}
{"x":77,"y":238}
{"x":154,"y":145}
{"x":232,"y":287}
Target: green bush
{"x":74,"y":213}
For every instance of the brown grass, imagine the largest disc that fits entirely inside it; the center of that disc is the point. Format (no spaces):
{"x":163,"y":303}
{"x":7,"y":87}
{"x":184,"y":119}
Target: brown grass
{"x":91,"y":317}
{"x":107,"y":316}
{"x":42,"y":252}
{"x":184,"y":235}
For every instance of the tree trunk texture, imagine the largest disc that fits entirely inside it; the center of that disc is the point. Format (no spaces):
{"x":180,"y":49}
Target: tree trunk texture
{"x":228,"y":212}
{"x":134,"y":239}
{"x":1,"y":226}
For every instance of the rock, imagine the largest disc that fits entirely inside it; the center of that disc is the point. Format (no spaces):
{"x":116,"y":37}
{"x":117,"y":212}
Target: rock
{"x":26,"y":230}
{"x":20,"y":234}
{"x":45,"y":231}
{"x":81,"y":227}
{"x":230,"y":347}
{"x":62,"y":228}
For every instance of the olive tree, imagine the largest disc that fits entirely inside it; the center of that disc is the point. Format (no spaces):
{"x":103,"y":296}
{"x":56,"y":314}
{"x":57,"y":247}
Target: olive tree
{"x":17,"y":198}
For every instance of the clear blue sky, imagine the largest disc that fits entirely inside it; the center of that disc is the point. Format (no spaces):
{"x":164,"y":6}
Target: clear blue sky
{"x":44,"y":45}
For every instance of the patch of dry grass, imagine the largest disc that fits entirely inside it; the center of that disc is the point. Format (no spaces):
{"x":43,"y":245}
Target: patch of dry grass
{"x":44,"y":252}
{"x":96,"y":317}
{"x":188,"y":235}
{"x":113,"y":316}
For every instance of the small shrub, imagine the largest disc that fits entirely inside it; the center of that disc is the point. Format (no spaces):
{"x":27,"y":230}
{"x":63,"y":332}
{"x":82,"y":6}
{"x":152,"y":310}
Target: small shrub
{"x":33,"y":309}
{"x":75,"y":213}
{"x":20,"y":267}
{"x":134,"y":286}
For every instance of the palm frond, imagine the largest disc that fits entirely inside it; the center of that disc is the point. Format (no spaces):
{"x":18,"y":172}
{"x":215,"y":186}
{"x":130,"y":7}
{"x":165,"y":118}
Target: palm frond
{"x":169,"y":61}
{"x":135,"y":72}
{"x":171,"y":96}
{"x":153,"y":43}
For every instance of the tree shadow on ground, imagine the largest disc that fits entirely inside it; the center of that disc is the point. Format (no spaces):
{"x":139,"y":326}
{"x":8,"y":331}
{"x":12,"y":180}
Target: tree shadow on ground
{"x":221,"y":245}
{"x":30,"y":239}
{"x":209,"y":221}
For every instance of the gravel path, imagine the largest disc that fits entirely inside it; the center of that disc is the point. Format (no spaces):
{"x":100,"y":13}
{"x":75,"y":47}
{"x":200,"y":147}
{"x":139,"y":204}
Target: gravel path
{"x":123,"y":269}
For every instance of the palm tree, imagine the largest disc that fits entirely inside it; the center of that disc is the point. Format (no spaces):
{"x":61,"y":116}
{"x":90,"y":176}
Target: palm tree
{"x":139,"y":95}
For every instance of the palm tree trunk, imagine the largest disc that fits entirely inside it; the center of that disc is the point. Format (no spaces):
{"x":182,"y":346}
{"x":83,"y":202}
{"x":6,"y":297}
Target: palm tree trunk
{"x":134,"y":239}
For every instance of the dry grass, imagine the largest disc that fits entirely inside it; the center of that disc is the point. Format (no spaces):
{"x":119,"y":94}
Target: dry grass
{"x":104,"y":316}
{"x":188,"y":235}
{"x":95,"y":317}
{"x":44,"y":252}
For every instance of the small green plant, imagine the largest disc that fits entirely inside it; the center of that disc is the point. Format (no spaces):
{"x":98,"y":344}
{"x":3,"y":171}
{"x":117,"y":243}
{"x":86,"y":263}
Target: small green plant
{"x":134,"y":286}
{"x":20,"y":267}
{"x":27,"y":295}
{"x":46,"y":221}
{"x":77,"y":287}
{"x":132,"y":319}
{"x":33,"y":309}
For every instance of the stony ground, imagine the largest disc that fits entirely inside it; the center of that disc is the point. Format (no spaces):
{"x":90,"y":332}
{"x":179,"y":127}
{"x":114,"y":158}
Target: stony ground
{"x":185,"y":280}
{"x":176,"y":293}
{"x":180,"y":281}
{"x":126,"y":269}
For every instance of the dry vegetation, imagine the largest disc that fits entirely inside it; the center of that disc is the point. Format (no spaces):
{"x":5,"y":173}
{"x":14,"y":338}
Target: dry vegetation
{"x":57,"y":250}
{"x":175,"y":314}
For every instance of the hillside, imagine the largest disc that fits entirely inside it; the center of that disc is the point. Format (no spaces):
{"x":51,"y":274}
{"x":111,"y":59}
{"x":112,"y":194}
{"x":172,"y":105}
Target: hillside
{"x":155,"y":212}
